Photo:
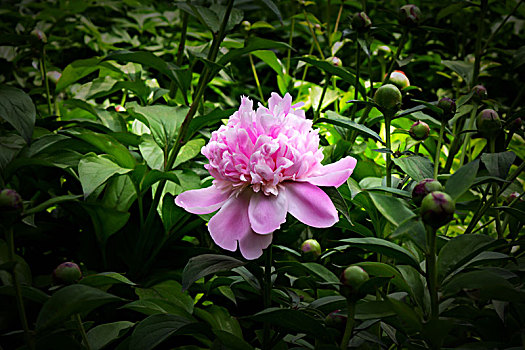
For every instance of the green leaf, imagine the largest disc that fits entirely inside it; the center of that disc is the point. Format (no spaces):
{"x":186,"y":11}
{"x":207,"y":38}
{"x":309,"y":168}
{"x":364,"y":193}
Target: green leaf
{"x":462,"y":179}
{"x":94,"y":170}
{"x":171,"y":293}
{"x":406,"y":314}
{"x":151,"y":152}
{"x":120,"y":193}
{"x":10,"y":146}
{"x":163,"y":121}
{"x":336,"y":119}
{"x":462,"y":68}
{"x":401,"y":193}
{"x":101,"y":335}
{"x":498,"y":164}
{"x":271,"y":5}
{"x":338,"y":201}
{"x":385,"y":247}
{"x":418,"y":168}
{"x":219,"y":319}
{"x":459,"y":250}
{"x":105,"y":279}
{"x":341,"y":72}
{"x":373,"y":310}
{"x":106,"y":221}
{"x":231,"y":341}
{"x":17,"y":108}
{"x":70,"y":300}
{"x":106,"y":144}
{"x":209,"y":119}
{"x":76,"y":71}
{"x":393,"y":209}
{"x":189,"y":151}
{"x":490,"y":285}
{"x":154,"y":330}
{"x":322,"y":272}
{"x":378,"y":269}
{"x":51,"y":202}
{"x":206,"y":264}
{"x":293,"y":320}
{"x":270,"y":58}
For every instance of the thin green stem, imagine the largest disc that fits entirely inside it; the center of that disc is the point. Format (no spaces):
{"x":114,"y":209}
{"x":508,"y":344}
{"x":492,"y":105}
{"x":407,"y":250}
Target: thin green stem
{"x":499,"y":230}
{"x":203,"y":81}
{"x":289,"y":54}
{"x":478,"y":51}
{"x":267,"y":294}
{"x":388,"y":146}
{"x":256,"y":78}
{"x":350,"y":305}
{"x":357,"y":71}
{"x":416,"y":148}
{"x":500,"y":26}
{"x":45,"y":80}
{"x":312,"y":31}
{"x":469,"y":124}
{"x":82,"y":331}
{"x":180,"y":51}
{"x":338,"y":18}
{"x":18,"y":289}
{"x":431,"y":272}
{"x":438,"y":149}
{"x":400,"y":45}
{"x":325,"y":87}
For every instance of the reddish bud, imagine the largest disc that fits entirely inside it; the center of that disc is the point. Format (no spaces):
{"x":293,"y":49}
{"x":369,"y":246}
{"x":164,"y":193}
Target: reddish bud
{"x":419,"y":130}
{"x":423,"y":188}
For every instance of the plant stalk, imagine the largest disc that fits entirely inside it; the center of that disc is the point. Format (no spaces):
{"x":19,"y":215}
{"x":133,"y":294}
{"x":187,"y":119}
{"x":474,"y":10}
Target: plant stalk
{"x":438,"y":150}
{"x":45,"y":80}
{"x":402,"y":41}
{"x":82,"y":331}
{"x":256,"y":77}
{"x":431,"y":272}
{"x":180,"y":51}
{"x":312,"y":31}
{"x":350,"y":320}
{"x":357,"y":71}
{"x":325,"y":87}
{"x":267,"y":294}
{"x":289,"y":54}
{"x":469,"y":124}
{"x":388,"y":118}
{"x":478,"y":51}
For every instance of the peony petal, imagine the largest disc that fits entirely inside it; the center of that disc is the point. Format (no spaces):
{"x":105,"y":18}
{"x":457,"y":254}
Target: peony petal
{"x":333,"y":174}
{"x":202,"y":201}
{"x":267,"y":213}
{"x":309,"y":204}
{"x":231,"y":223}
{"x":252,"y":244}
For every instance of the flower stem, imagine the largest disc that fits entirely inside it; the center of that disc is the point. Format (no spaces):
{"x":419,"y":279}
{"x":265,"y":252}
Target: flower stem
{"x":180,"y":51}
{"x":416,"y":148}
{"x":438,"y":149}
{"x":402,"y":41}
{"x":469,"y":124}
{"x":388,"y":117}
{"x":289,"y":54}
{"x":325,"y":87}
{"x":478,"y":49}
{"x":45,"y":79}
{"x":82,"y":331}
{"x":495,"y":187}
{"x":18,"y":290}
{"x":267,"y":294}
{"x":431,"y":272}
{"x":357,"y":71}
{"x":312,"y":31}
{"x":350,"y":320}
{"x":256,"y":77}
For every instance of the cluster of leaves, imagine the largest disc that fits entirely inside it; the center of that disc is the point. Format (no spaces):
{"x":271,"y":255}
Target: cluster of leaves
{"x":104,"y":107}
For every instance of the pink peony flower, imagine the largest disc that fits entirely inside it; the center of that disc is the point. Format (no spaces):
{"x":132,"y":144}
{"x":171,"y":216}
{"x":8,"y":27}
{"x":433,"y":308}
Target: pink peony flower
{"x":266,"y":163}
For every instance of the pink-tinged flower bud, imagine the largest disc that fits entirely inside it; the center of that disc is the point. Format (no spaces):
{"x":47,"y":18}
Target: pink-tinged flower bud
{"x":423,"y":188}
{"x":419,"y":130}
{"x":336,"y":61}
{"x":361,"y":22}
{"x":437,"y":209}
{"x":448,"y":106}
{"x":54,"y":76}
{"x":40,"y":35}
{"x":388,"y":97}
{"x":399,"y":79}
{"x":336,"y":319}
{"x":354,"y":276}
{"x":488,"y":122}
{"x":311,"y":249}
{"x":512,"y":197}
{"x":318,"y":29}
{"x":67,"y":273}
{"x":410,"y":15}
{"x":120,"y":108}
{"x":480,"y":93}
{"x":10,"y":200}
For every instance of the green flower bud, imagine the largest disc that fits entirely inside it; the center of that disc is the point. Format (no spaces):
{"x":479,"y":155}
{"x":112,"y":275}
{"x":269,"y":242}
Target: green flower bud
{"x":480,"y":93}
{"x":399,"y":79}
{"x":67,"y":273}
{"x":40,"y":35}
{"x":361,"y":22}
{"x":410,"y":15}
{"x":437,"y":209}
{"x":448,"y":106}
{"x":423,"y":188}
{"x":10,"y":200}
{"x":488,"y":123}
{"x":311,"y":249}
{"x":516,"y":124}
{"x":388,"y":98}
{"x":336,"y":61}
{"x":246,"y":25}
{"x":336,"y":319}
{"x":354,"y":276}
{"x":419,"y":130}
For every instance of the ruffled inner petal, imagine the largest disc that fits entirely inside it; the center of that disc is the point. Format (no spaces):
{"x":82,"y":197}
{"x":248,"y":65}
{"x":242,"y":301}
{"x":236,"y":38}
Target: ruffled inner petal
{"x":310,"y":205}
